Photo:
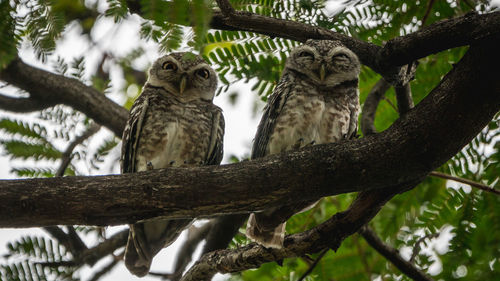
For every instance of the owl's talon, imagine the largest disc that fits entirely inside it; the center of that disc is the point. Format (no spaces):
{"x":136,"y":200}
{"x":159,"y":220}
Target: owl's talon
{"x":149,"y":166}
{"x":172,"y":162}
{"x":298,"y":144}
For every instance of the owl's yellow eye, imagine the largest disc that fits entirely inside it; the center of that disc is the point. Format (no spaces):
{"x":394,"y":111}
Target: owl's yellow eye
{"x":169,"y":66}
{"x":203,"y":73}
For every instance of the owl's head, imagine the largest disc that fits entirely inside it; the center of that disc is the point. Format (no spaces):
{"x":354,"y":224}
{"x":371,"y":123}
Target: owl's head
{"x":185,"y":75}
{"x":324,"y":62}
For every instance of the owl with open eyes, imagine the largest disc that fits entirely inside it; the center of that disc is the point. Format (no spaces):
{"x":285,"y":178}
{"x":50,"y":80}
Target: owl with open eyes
{"x":316,"y":101}
{"x":172,"y":123}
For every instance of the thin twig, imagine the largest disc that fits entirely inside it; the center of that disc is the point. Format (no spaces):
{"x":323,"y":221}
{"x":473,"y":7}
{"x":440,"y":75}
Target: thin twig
{"x":313,"y":265}
{"x":108,"y":246}
{"x":194,"y":237}
{"x":416,"y":247}
{"x":478,"y":185}
{"x":392,"y":255}
{"x":106,"y":269}
{"x":428,"y":11}
{"x":370,"y":106}
{"x":68,"y":153}
{"x":70,"y":241}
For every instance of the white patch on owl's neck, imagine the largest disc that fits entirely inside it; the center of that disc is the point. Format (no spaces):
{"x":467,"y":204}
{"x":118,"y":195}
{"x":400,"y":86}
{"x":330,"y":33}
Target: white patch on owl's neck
{"x":153,"y":81}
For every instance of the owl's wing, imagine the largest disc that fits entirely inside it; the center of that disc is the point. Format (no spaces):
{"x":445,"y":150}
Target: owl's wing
{"x":132,"y":133}
{"x":268,"y":121}
{"x":353,"y":118}
{"x":215,"y":150}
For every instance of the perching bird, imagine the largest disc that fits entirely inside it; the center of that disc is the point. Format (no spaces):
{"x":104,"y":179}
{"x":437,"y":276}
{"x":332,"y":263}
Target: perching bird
{"x":316,"y":101}
{"x":172,"y":123}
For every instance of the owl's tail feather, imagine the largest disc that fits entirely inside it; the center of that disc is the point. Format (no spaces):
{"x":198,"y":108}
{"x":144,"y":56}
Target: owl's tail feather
{"x":146,"y":239}
{"x":269,"y":238}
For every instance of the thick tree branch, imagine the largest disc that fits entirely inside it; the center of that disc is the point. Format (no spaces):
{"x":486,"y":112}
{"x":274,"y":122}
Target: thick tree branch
{"x":440,"y":36}
{"x":420,"y":141}
{"x":393,"y":256}
{"x":329,"y":234}
{"x":57,"y":89}
{"x":404,"y":98}
{"x":399,"y":51}
{"x":23,"y":104}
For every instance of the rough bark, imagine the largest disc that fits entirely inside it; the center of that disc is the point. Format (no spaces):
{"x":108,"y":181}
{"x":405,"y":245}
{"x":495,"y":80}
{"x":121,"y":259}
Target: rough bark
{"x":428,"y":135}
{"x":46,"y":89}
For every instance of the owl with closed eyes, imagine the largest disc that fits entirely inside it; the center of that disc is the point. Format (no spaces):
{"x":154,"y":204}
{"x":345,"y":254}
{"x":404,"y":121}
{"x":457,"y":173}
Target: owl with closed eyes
{"x":316,"y":101}
{"x":173,"y":123}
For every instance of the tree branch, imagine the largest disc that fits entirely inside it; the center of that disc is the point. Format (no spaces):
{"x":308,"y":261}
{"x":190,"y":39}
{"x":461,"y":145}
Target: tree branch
{"x":23,"y":104}
{"x":226,"y":8}
{"x":404,"y":98}
{"x":67,"y":154}
{"x":57,"y":89}
{"x":329,"y":234}
{"x":107,"y":247}
{"x":194,"y":237}
{"x":385,"y":60}
{"x":417,"y":143}
{"x":313,"y":265}
{"x":370,"y":107}
{"x":416,"y":247}
{"x":392,"y":255}
{"x":481,"y":186}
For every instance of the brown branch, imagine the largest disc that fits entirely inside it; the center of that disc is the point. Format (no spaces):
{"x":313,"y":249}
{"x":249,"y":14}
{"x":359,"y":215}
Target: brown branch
{"x":23,"y":104}
{"x":428,"y":11}
{"x":313,"y":265}
{"x":440,"y":36}
{"x":67,"y":154}
{"x":481,"y":186}
{"x":226,"y":8}
{"x":404,"y":98}
{"x":370,"y":106}
{"x":393,"y":256}
{"x":194,"y":237}
{"x":329,"y":234}
{"x":399,"y":51}
{"x":74,"y":246}
{"x":416,"y":247}
{"x":411,"y":148}
{"x":106,"y":269}
{"x":57,"y":89}
{"x":107,"y":247}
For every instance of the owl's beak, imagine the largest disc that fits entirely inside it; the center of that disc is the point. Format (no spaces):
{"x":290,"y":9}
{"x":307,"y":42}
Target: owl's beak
{"x":182,"y":85}
{"x":322,"y":72}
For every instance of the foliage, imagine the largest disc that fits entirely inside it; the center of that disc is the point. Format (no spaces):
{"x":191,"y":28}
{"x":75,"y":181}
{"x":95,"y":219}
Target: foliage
{"x":431,"y":209}
{"x":36,"y":258}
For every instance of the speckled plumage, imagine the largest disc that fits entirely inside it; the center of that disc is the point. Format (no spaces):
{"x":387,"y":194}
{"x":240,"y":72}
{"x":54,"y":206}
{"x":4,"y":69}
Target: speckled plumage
{"x":316,"y":101}
{"x":170,"y":125}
